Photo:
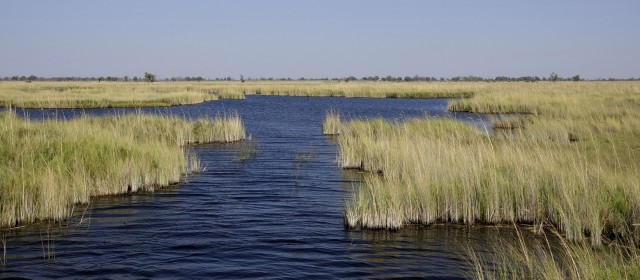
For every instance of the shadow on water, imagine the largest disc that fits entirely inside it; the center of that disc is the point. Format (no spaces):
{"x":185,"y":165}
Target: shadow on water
{"x":277,"y":213}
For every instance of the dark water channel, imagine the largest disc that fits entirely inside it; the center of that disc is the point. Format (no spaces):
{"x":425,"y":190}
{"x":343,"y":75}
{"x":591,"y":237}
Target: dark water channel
{"x":268,"y":217}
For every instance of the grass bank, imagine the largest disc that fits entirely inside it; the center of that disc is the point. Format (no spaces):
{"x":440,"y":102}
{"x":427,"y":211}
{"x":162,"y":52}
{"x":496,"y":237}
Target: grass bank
{"x":541,"y":258}
{"x":356,"y":89}
{"x":138,"y":94}
{"x":48,"y":166}
{"x":576,"y":170}
{"x":552,"y":99}
{"x":443,"y":170}
{"x":342,"y":89}
{"x":106,"y":94}
{"x":565,"y":159}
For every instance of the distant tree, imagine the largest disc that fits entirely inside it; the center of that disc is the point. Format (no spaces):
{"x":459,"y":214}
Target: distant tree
{"x":554,"y":77}
{"x":135,"y":78}
{"x":32,"y":78}
{"x":126,"y":78}
{"x":241,"y":79}
{"x":575,"y":78}
{"x":199,"y":79}
{"x":149,"y":77}
{"x":350,"y":78}
{"x":100,"y":79}
{"x":408,"y":79}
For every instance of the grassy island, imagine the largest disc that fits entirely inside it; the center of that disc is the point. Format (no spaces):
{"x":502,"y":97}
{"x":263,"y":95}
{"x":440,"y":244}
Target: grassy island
{"x":106,"y":94}
{"x":565,"y":159}
{"x":48,"y":166}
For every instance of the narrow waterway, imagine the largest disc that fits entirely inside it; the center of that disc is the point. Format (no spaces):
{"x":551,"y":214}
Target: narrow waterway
{"x":272,"y":216}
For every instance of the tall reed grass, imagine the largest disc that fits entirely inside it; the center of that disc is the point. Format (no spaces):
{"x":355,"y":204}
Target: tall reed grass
{"x":541,"y":258}
{"x":443,"y":170}
{"x":48,"y":166}
{"x":566,"y":161}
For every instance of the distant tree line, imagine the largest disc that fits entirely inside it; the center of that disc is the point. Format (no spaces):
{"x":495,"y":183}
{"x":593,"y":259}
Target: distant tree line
{"x":72,"y":78}
{"x":149,"y":77}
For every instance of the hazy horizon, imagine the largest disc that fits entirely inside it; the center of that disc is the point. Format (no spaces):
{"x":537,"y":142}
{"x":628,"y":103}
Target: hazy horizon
{"x":593,"y":39}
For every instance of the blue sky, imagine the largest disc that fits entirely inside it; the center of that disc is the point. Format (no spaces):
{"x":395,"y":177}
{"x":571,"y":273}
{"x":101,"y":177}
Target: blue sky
{"x":320,"y":38}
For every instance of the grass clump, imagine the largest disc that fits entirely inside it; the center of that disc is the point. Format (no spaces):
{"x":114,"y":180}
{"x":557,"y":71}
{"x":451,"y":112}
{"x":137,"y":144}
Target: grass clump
{"x":247,"y":151}
{"x":48,"y":166}
{"x":331,"y":124}
{"x":509,"y":122}
{"x":305,"y":157}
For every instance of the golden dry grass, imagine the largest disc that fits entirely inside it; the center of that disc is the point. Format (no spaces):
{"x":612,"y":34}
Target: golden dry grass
{"x":48,"y":166}
{"x":568,"y":160}
{"x":553,"y":258}
{"x":331,"y":124}
{"x":356,"y":89}
{"x":106,"y":94}
{"x":578,"y":172}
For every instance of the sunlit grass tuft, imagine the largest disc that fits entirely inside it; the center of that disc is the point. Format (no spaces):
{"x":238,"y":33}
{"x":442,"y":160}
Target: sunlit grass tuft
{"x":331,"y":124}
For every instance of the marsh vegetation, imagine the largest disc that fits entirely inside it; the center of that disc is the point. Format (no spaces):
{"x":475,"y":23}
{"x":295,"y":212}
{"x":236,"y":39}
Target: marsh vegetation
{"x":331,"y":124}
{"x":570,"y":163}
{"x":352,"y":89}
{"x":49,"y":166}
{"x":553,"y":257}
{"x":562,"y":157}
{"x":133,"y":94}
{"x":106,"y":95}
{"x":247,"y":150}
